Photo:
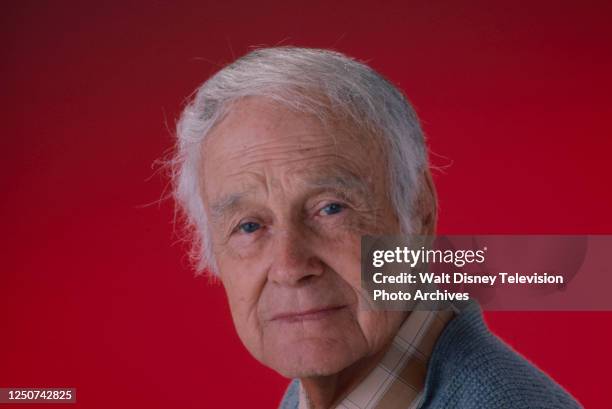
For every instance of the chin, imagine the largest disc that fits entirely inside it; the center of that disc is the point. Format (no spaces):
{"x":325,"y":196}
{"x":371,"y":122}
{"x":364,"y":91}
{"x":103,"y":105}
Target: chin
{"x":311,"y":357}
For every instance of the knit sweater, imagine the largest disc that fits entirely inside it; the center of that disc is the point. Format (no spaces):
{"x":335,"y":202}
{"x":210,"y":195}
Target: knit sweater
{"x":472,"y":368}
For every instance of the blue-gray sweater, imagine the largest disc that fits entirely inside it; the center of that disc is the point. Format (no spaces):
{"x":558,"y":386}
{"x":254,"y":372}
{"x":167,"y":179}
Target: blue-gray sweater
{"x":472,"y":368}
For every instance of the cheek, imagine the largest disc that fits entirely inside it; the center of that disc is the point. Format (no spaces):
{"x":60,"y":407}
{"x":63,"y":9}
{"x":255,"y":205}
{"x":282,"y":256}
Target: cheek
{"x":341,"y":251}
{"x":344,"y":254}
{"x":340,"y":240}
{"x":242,"y":278}
{"x":243,"y":286}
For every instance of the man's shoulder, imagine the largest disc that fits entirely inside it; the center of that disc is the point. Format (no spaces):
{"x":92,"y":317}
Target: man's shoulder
{"x":471,"y":367}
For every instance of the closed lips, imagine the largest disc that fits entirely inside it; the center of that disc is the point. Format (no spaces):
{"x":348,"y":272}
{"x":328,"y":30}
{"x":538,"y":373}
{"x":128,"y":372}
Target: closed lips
{"x":311,"y":314}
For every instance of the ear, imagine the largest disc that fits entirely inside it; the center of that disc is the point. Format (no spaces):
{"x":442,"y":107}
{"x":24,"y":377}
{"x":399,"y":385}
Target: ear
{"x":426,"y":206}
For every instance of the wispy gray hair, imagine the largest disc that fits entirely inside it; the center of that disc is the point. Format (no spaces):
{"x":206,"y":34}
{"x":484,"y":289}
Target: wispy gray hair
{"x":307,"y":80}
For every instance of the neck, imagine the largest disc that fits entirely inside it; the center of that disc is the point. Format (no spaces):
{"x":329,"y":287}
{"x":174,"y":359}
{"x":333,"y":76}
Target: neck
{"x":324,"y":392}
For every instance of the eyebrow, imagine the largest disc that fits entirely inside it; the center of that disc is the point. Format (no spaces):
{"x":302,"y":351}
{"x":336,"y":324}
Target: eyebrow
{"x":227,"y":203}
{"x":347,"y":184}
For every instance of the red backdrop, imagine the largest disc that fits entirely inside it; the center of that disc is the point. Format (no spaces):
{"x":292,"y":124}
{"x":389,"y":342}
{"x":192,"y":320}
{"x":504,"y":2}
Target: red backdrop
{"x":515,"y":99}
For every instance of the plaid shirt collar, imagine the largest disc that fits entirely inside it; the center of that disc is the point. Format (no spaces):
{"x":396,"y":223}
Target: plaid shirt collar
{"x":397,"y":381}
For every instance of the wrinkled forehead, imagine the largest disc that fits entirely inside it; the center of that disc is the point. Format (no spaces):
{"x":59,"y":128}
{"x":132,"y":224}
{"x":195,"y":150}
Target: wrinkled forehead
{"x":259,"y":119}
{"x":258,"y":133}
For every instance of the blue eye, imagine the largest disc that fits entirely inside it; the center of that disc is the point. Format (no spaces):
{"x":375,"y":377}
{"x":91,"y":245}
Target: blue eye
{"x":332,"y":208}
{"x":249,"y":227}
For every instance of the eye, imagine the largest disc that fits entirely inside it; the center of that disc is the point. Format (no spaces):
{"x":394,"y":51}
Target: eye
{"x":249,"y":227}
{"x":332,"y":208}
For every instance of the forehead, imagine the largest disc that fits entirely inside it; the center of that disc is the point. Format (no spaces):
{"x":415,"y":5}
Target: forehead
{"x":260,"y":138}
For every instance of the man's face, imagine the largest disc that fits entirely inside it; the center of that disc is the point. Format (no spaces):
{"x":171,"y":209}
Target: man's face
{"x":288,"y":201}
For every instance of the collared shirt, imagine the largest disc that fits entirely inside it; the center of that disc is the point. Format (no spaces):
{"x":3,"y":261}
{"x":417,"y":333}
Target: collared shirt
{"x":397,"y":381}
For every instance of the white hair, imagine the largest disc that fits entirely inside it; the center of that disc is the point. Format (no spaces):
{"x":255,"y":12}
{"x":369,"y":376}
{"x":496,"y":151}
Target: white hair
{"x":297,"y":77}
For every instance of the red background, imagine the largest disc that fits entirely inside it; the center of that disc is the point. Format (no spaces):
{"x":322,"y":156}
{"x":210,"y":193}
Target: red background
{"x":515,"y":99}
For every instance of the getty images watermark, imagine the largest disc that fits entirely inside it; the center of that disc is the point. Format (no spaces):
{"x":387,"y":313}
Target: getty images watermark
{"x":501,"y":272}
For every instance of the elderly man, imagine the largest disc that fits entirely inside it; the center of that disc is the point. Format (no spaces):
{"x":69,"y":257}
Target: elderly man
{"x":285,"y":159}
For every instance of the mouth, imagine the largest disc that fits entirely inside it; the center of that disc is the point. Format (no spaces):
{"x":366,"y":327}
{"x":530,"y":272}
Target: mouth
{"x":308,"y":315}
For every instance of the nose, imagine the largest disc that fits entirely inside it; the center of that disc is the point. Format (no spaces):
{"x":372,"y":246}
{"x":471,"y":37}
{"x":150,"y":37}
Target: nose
{"x":295,"y":261}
